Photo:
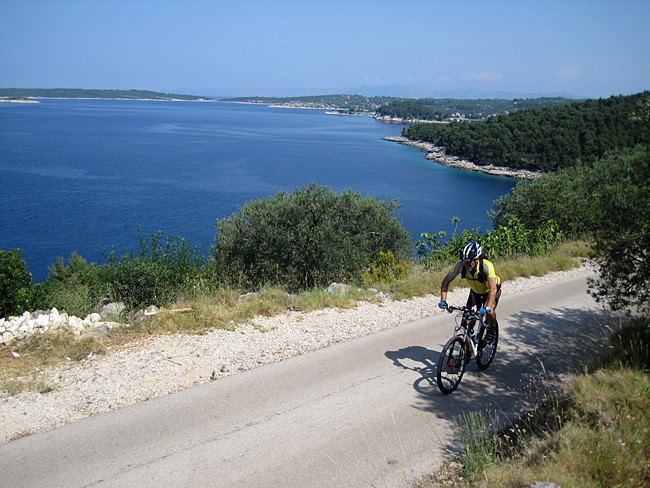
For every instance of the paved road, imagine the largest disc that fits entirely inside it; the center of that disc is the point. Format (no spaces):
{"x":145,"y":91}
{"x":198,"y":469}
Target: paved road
{"x":357,"y":414}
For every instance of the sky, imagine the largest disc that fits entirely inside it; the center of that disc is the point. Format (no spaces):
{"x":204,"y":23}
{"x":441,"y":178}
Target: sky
{"x":414,"y":48}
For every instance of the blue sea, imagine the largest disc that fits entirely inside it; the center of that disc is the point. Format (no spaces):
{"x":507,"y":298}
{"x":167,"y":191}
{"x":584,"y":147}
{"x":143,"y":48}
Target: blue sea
{"x":89,"y":175}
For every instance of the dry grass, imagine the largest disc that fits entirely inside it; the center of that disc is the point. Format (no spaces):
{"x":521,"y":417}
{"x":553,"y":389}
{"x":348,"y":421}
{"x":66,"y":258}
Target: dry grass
{"x":19,"y":365}
{"x":594,"y":432}
{"x":604,"y":439}
{"x":226,"y":308}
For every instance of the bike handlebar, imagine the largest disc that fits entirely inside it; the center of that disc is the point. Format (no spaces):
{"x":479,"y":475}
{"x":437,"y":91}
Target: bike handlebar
{"x":468,"y":312}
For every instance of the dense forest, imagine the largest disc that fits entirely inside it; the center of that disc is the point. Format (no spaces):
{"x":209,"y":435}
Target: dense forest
{"x":542,"y":139}
{"x":441,"y":109}
{"x":81,"y":93}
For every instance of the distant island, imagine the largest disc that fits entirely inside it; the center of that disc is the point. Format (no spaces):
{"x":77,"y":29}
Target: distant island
{"x":407,"y":110}
{"x":335,"y":104}
{"x":385,"y":109}
{"x":25,"y":95}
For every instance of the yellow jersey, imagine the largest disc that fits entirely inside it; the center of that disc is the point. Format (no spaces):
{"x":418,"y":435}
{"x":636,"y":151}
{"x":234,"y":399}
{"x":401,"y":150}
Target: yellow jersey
{"x":477,"y":281}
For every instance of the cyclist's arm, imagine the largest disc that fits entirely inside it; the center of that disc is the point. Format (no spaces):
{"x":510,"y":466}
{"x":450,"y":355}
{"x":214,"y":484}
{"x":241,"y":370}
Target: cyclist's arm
{"x":492,"y":295}
{"x":445,"y":285}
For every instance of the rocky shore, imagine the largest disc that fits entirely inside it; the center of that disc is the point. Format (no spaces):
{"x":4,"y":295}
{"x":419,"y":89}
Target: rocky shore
{"x":437,"y":154}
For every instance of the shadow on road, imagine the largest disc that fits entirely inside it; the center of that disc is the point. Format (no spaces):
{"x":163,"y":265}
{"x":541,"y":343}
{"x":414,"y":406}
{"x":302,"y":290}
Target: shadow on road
{"x":535,"y":350}
{"x":424,"y":363}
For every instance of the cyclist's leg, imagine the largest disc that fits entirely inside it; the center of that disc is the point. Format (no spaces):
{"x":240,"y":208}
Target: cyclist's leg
{"x":480,"y":301}
{"x":489,"y":337}
{"x":496,"y":302}
{"x":471,"y":303}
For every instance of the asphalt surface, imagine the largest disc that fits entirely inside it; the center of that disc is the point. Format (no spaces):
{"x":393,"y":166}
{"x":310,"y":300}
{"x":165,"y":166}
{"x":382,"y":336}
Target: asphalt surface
{"x":361,"y":413}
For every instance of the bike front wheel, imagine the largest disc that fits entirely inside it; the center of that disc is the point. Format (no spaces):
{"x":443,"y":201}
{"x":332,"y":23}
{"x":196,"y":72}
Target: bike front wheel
{"x":451,"y":364}
{"x":487,"y":346}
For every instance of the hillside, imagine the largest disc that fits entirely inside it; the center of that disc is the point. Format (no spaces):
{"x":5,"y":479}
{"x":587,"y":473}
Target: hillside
{"x":445,"y":109}
{"x":541,"y":139}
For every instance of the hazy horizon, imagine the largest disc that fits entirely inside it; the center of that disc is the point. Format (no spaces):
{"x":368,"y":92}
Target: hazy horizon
{"x":472,"y":48}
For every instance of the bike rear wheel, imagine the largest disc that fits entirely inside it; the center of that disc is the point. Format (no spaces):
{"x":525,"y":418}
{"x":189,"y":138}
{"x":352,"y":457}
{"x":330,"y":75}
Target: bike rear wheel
{"x":451,"y":365}
{"x":487,"y":346}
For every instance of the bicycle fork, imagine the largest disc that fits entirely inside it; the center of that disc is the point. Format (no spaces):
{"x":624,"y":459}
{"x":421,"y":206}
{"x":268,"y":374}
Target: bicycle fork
{"x":471,"y":340}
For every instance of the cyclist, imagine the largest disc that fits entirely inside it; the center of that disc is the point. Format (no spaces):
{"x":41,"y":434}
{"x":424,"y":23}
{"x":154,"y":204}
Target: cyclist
{"x":485,"y":285}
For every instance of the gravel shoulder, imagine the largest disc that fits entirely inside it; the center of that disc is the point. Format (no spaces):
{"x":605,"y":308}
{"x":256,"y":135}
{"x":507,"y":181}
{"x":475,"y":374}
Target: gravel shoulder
{"x":165,"y":364}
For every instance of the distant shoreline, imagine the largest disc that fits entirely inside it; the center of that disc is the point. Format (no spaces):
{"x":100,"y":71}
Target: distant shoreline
{"x":438,"y":155}
{"x":36,"y":99}
{"x":17,"y":100}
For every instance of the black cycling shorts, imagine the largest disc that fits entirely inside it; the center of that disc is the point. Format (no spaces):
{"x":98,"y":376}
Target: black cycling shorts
{"x":478,"y":300}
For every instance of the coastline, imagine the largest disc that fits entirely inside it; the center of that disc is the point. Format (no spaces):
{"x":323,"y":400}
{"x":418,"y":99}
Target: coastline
{"x":398,"y":120}
{"x":438,"y":155}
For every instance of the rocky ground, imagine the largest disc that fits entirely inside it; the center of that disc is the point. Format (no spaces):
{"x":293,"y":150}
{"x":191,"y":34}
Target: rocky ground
{"x":161,"y":365}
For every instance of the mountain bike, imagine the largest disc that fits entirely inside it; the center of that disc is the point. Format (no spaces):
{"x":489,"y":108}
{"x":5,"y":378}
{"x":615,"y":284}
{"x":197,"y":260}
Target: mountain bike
{"x":472,"y":339}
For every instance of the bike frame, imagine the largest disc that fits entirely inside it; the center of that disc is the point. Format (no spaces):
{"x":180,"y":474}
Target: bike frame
{"x":463,"y":330}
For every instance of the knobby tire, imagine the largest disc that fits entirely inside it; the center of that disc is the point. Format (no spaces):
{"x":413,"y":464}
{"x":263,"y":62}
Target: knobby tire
{"x":487,"y":347}
{"x":451,"y":364}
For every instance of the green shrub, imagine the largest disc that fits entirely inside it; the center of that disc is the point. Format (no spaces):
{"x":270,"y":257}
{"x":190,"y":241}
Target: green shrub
{"x":73,"y":287}
{"x":75,"y":299}
{"x":70,"y":271}
{"x":623,"y":234}
{"x":309,"y":238}
{"x":384,"y":269}
{"x":506,"y":241}
{"x":15,"y":282}
{"x":596,"y":199}
{"x":162,"y":270}
{"x":156,"y":275}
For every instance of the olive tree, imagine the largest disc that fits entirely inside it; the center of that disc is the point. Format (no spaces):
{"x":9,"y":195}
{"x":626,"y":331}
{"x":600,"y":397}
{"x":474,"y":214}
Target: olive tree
{"x":308,"y":238}
{"x":623,"y":204}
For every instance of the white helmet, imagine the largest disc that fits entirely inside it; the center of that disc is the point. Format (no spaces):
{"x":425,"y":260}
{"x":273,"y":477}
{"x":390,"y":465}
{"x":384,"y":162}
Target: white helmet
{"x":471,"y":251}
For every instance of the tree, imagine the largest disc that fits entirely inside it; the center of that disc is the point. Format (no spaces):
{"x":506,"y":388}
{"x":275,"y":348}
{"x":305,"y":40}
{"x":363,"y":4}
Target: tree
{"x":309,"y":238}
{"x":607,"y":203}
{"x":624,"y":275}
{"x":624,"y":234}
{"x":565,"y":196}
{"x":15,"y":283}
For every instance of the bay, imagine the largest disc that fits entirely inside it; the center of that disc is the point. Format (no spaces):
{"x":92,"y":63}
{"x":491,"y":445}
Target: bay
{"x":88,"y":175}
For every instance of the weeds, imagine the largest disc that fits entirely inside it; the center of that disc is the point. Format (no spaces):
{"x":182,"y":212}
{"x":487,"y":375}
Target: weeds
{"x":629,"y":346}
{"x":385,"y":268}
{"x":223,"y":309}
{"x":594,"y":432}
{"x":478,"y":441}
